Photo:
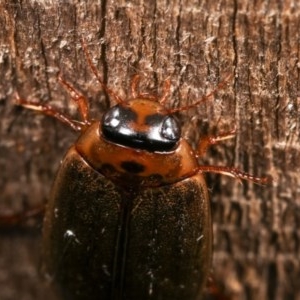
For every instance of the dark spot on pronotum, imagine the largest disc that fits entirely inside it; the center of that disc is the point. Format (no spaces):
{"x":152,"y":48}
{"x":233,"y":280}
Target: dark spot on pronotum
{"x":132,"y":167}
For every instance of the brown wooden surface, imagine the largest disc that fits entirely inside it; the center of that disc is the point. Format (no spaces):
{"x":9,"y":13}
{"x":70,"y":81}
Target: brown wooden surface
{"x":195,"y":44}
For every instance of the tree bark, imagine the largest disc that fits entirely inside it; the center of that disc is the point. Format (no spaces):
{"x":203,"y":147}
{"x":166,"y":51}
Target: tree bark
{"x":196,"y":44}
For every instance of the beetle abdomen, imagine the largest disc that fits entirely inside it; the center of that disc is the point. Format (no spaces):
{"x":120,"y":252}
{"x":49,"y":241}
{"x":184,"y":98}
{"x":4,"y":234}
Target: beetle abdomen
{"x":102,"y":242}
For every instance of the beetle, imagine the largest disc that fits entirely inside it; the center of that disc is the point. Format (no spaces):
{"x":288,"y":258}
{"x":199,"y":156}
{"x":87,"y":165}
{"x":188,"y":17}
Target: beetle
{"x":129,"y":213}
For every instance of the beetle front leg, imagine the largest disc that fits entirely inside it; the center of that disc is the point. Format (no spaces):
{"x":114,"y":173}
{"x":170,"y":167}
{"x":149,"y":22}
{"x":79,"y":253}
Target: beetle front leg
{"x":207,"y":141}
{"x":50,"y":111}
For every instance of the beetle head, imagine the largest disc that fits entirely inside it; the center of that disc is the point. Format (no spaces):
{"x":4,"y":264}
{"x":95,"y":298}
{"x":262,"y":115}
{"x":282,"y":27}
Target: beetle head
{"x":142,"y":124}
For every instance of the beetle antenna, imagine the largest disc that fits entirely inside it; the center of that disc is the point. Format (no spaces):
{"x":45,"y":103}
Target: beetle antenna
{"x":166,"y":92}
{"x":204,"y":98}
{"x":135,"y":93}
{"x":96,"y":73}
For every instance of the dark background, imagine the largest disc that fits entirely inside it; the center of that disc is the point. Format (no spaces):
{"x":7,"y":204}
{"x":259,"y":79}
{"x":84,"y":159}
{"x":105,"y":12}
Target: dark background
{"x":195,"y":44}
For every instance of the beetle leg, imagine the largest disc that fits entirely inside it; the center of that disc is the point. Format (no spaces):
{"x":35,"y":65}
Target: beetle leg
{"x":11,"y":220}
{"x":78,"y":98}
{"x":207,"y":141}
{"x":233,"y":172}
{"x":49,"y":110}
{"x":214,"y":290}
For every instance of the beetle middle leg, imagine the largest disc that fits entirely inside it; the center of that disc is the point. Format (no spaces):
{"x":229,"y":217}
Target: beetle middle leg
{"x":234,"y":172}
{"x":207,"y":141}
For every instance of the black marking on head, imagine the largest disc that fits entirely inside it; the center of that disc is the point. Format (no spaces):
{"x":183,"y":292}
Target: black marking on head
{"x":160,"y":132}
{"x":152,"y":120}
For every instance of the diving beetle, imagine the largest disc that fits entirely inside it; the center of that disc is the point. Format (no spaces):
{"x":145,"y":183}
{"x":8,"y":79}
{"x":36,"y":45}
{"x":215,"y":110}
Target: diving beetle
{"x":129,"y":213}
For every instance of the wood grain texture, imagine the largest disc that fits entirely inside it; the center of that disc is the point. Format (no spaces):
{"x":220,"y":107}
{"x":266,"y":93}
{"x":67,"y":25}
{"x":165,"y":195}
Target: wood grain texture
{"x":195,"y":44}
